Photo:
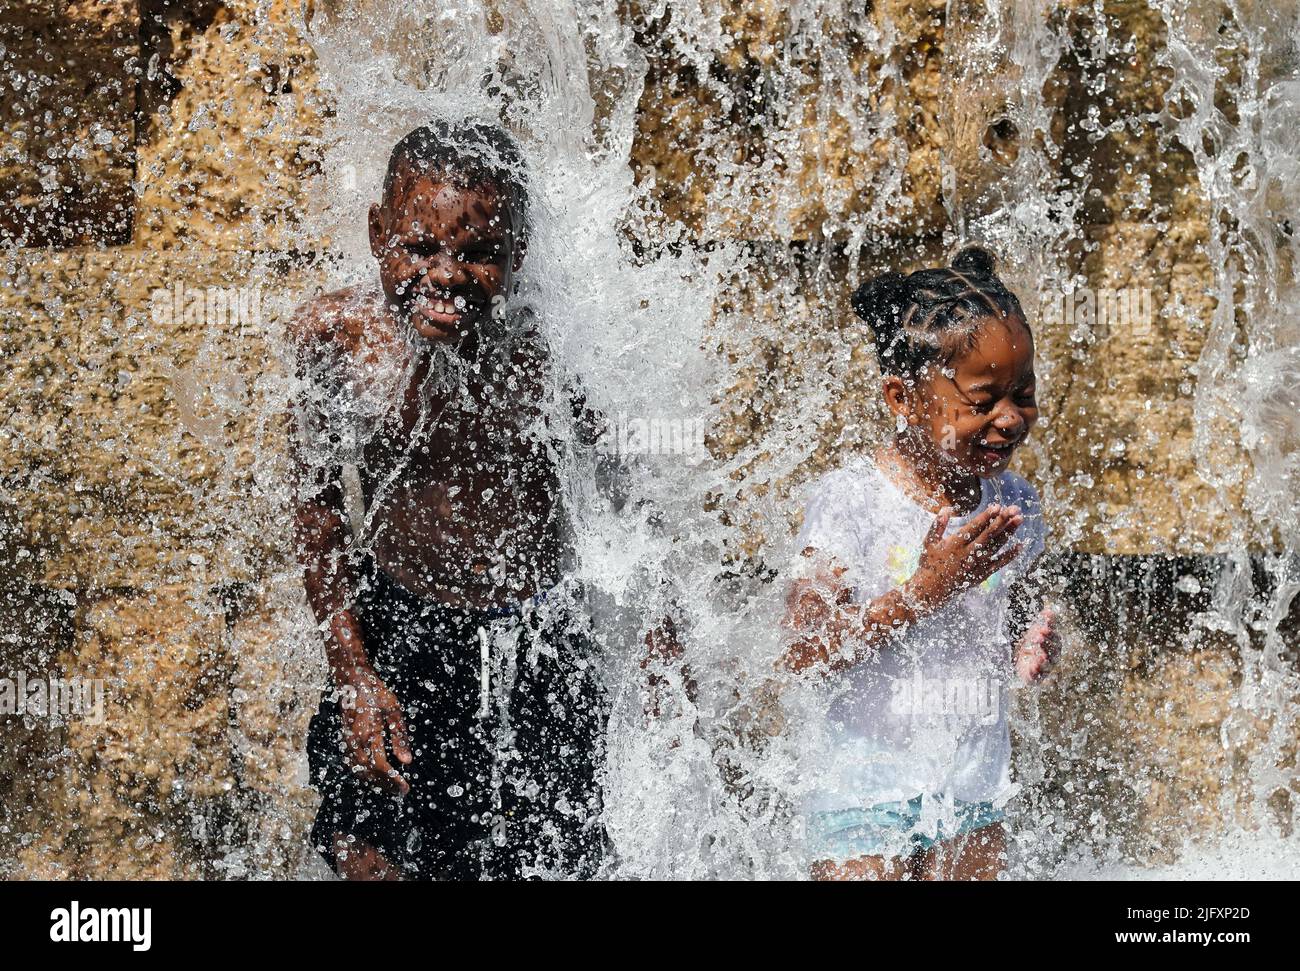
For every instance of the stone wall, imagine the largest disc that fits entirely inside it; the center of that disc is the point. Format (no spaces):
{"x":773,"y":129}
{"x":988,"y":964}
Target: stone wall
{"x":143,"y":540}
{"x":159,"y":145}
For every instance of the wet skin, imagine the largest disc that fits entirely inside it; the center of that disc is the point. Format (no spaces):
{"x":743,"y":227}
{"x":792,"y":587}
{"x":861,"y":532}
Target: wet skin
{"x":978,"y":855}
{"x":470,"y":522}
{"x":964,"y":420}
{"x":956,"y":428}
{"x":960,"y":423}
{"x":445,"y":252}
{"x":462,"y":495}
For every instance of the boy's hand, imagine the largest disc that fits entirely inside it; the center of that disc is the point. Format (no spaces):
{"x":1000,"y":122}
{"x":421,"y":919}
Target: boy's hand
{"x":1039,"y":648}
{"x":950,"y":564}
{"x":373,"y":711}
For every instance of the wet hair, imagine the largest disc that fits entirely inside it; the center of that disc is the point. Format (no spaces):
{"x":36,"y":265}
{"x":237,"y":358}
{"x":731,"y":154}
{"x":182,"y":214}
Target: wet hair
{"x":469,"y":153}
{"x":931,"y":316}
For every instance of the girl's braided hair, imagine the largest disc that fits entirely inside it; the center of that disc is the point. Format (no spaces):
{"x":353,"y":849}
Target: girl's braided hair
{"x":933,"y":315}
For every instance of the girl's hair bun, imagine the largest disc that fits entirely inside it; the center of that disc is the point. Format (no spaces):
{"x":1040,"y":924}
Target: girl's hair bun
{"x":942,"y":307}
{"x":882,"y":300}
{"x":974,"y":259}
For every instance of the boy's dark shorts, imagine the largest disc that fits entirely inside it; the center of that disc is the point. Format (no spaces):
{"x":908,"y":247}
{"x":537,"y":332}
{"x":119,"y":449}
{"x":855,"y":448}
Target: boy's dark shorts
{"x":506,"y":717}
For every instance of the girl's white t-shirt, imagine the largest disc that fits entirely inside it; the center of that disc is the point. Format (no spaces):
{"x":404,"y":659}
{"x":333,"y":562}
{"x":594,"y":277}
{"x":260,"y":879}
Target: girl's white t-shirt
{"x":927,"y":715}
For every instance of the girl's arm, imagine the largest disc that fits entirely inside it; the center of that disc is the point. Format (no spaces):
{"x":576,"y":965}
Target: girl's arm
{"x":1024,"y":601}
{"x":1033,"y":631}
{"x":823,"y":617}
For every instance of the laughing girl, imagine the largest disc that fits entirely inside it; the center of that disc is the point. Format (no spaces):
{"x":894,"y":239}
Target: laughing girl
{"x":909,"y":584}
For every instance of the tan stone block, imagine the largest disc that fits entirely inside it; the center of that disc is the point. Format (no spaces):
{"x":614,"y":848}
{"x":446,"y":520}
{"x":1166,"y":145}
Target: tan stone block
{"x":167,"y":672}
{"x":1174,"y":710}
{"x":224,"y":157}
{"x":279,"y":672}
{"x":123,"y":797}
{"x":773,"y":141}
{"x":1120,"y":409}
{"x":1136,"y":742}
{"x":150,"y":412}
{"x":68,"y":149}
{"x":35,"y":629}
{"x":38,"y":338}
{"x":204,"y":721}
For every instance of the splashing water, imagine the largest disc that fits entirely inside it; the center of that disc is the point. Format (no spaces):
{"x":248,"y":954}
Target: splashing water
{"x":748,"y":338}
{"x":708,"y":182}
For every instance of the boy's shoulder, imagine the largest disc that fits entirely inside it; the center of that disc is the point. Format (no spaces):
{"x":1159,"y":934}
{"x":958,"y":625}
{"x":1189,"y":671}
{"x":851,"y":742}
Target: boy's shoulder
{"x":353,"y":321}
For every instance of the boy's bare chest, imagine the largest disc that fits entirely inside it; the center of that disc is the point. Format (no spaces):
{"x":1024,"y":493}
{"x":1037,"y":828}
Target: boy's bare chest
{"x":463,"y":497}
{"x":456,"y":451}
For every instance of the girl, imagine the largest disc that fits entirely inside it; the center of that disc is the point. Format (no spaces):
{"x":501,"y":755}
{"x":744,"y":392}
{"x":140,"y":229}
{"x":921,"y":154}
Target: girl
{"x":907,"y":580}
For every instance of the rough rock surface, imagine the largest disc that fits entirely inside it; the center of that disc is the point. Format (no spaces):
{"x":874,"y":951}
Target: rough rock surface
{"x":159,"y":146}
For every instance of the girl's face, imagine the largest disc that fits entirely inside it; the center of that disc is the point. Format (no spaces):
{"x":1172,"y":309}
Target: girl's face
{"x":978,"y":409}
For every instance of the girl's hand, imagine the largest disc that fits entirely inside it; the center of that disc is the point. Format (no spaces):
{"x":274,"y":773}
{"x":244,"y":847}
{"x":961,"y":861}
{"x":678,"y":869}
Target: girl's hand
{"x":950,"y":564}
{"x":812,"y":600}
{"x":812,"y":605}
{"x":1039,"y":648}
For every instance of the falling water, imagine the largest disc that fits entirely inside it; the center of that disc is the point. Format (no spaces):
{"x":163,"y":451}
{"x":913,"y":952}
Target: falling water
{"x":709,"y":181}
{"x":734,"y":312}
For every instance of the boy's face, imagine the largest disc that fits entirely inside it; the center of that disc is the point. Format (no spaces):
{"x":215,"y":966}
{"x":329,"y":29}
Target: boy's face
{"x":980,"y":408}
{"x":447,"y":254}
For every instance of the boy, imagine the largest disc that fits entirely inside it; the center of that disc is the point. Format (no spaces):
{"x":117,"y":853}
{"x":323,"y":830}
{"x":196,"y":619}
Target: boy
{"x":463,"y":735}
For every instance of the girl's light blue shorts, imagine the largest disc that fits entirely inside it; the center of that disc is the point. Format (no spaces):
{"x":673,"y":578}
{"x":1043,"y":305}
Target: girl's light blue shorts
{"x":894,"y":829}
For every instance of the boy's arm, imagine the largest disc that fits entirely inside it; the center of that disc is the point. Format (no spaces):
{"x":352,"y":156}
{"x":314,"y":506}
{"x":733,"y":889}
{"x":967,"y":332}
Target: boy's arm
{"x":320,"y":523}
{"x":320,"y":542}
{"x":321,"y":534}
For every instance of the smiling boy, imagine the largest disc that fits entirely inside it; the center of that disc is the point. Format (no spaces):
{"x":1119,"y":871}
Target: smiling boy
{"x":462,"y":736}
